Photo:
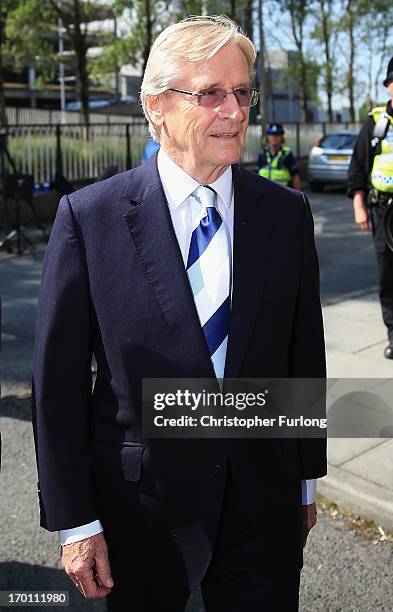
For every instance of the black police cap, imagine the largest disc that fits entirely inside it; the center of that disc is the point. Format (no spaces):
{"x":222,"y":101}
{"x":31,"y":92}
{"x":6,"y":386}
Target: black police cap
{"x":275,"y":129}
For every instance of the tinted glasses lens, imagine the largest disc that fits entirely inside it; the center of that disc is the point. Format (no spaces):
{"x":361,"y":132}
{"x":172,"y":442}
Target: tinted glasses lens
{"x":243,"y":96}
{"x":215,"y":97}
{"x":212,"y":98}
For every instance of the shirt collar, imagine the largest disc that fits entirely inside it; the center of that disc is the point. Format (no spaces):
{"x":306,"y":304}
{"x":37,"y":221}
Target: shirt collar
{"x":178,"y":185}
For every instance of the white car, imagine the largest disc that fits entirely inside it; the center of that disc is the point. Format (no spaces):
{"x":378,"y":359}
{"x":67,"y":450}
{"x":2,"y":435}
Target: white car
{"x":328,"y":161}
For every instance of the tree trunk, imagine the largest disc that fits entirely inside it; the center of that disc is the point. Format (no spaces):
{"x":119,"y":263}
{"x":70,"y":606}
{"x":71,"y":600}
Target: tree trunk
{"x":262,"y":59}
{"x":329,"y":67}
{"x":79,"y":40}
{"x":233,"y":10}
{"x":82,"y":77}
{"x":149,"y":34}
{"x":304,"y":89}
{"x":297,"y":32}
{"x":117,"y":67}
{"x":383,"y":60}
{"x":270,"y":92}
{"x":3,"y":116}
{"x":370,"y":49}
{"x":351,"y":65}
{"x":248,"y":22}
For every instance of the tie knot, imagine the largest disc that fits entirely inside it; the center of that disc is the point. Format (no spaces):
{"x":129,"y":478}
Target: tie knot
{"x":205,"y":195}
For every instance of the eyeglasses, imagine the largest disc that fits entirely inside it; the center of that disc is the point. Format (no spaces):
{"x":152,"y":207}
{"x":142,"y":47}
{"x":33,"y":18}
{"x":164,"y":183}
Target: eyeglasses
{"x":212,"y":98}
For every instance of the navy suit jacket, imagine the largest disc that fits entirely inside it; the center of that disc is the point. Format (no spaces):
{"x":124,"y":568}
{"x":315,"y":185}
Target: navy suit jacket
{"x":114,"y":283}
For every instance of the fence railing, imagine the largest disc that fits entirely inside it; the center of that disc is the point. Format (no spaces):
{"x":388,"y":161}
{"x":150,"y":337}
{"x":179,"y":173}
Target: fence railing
{"x":300,"y":137}
{"x":37,"y":116}
{"x":77,"y":152}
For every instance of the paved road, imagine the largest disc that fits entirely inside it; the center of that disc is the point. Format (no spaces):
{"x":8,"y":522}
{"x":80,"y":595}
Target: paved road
{"x":342,"y":572}
{"x":346,"y":254}
{"x":346,"y":258}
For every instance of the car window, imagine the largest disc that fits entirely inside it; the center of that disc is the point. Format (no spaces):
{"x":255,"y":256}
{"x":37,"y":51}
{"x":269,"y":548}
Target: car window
{"x":338,"y":141}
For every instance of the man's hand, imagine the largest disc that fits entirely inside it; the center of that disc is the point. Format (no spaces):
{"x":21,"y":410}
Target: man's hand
{"x":87,"y":564}
{"x":309,"y":520}
{"x":360,"y":211}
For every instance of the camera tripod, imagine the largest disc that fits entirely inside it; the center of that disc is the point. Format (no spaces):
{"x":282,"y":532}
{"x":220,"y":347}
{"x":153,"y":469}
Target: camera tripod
{"x":17,"y":187}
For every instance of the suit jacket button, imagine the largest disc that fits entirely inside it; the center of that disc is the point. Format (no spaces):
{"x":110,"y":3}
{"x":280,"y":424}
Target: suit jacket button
{"x":218,"y":470}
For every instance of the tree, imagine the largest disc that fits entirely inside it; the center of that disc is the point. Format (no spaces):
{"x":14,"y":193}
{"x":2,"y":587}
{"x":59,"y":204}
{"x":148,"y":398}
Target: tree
{"x":263,"y":70}
{"x":76,"y":15}
{"x":352,"y":14}
{"x":145,"y":21}
{"x":7,"y":8}
{"x":248,"y":19}
{"x":37,"y":39}
{"x":326,"y":32}
{"x":349,"y":21}
{"x":303,"y":69}
{"x":4,"y":12}
{"x":32,"y":41}
{"x":148,"y":18}
{"x":18,"y":47}
{"x":378,"y":20}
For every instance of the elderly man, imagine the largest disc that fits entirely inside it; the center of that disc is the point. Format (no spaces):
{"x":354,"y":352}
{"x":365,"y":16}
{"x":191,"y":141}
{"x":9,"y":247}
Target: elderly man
{"x":187,"y":266}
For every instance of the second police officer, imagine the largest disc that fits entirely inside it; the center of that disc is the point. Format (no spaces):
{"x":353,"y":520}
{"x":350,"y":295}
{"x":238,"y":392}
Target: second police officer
{"x":276,"y":161}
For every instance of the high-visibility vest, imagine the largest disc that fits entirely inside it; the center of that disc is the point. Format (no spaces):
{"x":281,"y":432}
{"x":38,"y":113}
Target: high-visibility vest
{"x":382,"y":170}
{"x":275,"y":168}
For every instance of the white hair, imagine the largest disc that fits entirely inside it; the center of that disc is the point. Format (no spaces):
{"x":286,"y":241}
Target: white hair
{"x":194,"y":39}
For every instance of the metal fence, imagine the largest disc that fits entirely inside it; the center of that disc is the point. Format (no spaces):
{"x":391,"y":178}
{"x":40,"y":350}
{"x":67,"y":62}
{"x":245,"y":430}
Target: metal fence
{"x":36,"y":116}
{"x":300,"y":137}
{"x":77,"y":152}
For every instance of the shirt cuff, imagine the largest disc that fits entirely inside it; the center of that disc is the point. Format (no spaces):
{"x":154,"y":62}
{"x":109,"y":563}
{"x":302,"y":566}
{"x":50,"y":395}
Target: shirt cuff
{"x":309,"y":488}
{"x":69,"y":536}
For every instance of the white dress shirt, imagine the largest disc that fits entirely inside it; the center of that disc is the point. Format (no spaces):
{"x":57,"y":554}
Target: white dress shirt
{"x":186,"y":214}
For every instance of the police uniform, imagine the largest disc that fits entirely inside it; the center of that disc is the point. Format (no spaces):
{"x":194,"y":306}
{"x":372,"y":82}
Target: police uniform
{"x":281,"y":166}
{"x":371,"y":171}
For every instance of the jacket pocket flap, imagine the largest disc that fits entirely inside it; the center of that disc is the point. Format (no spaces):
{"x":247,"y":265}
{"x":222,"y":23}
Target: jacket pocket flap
{"x":131,"y":462}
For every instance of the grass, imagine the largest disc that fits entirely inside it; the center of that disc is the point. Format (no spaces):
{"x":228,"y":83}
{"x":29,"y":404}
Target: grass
{"x":364,"y":527}
{"x":37,"y":154}
{"x":34,"y":150}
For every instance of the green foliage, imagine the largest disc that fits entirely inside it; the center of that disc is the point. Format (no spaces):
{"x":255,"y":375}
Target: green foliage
{"x":30,"y":40}
{"x":325,"y":33}
{"x":148,"y":19}
{"x":293,"y":74}
{"x":30,"y":37}
{"x":115,"y":54}
{"x":303,"y":69}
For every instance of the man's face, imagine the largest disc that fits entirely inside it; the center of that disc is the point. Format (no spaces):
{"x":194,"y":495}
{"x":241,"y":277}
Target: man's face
{"x":204,"y":141}
{"x":390,"y":89}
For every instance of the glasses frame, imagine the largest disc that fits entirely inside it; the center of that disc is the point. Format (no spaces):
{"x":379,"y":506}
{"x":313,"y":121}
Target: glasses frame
{"x":255,"y":93}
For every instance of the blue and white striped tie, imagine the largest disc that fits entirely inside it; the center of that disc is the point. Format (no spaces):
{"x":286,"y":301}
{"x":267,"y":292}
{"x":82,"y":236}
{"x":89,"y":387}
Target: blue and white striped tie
{"x":208,"y":269}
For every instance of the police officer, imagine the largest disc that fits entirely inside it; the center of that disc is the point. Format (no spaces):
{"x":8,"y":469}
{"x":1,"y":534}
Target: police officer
{"x":276,"y":161}
{"x":370,"y":184}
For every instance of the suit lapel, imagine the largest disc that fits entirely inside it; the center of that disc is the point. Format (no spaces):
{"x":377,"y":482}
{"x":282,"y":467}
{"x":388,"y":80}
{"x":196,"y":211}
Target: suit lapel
{"x":154,"y":238}
{"x":253,"y":224}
